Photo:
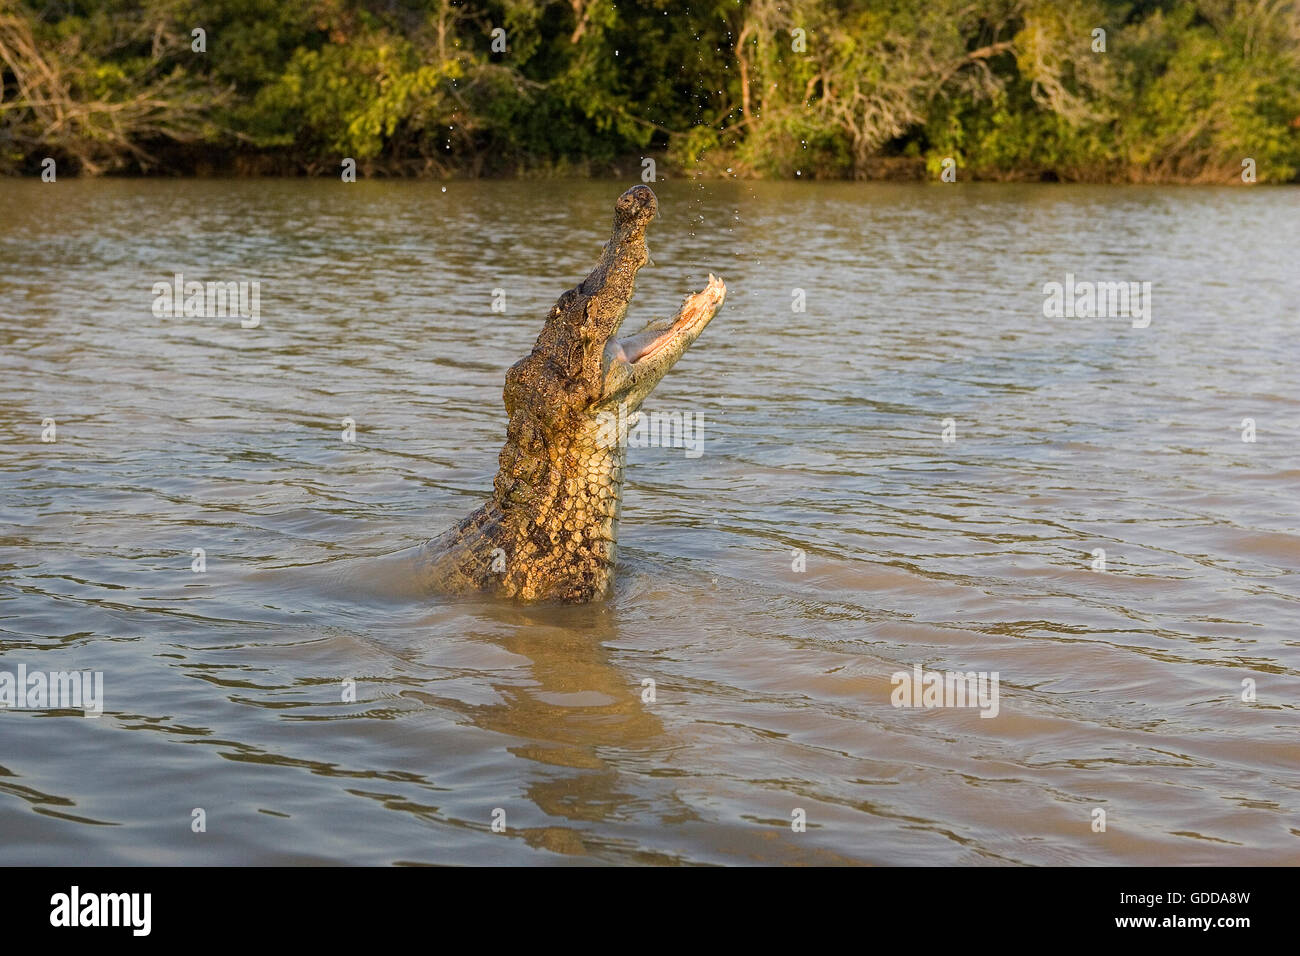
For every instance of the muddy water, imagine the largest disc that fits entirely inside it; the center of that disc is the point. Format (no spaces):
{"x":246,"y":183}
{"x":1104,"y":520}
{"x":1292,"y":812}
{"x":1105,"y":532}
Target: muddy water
{"x":826,"y":537}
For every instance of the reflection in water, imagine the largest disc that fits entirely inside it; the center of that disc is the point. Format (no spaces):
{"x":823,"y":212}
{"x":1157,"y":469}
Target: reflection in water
{"x":574,"y":707}
{"x":317,"y":710}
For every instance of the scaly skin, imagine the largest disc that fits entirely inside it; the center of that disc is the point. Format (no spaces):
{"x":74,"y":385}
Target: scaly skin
{"x":550,"y":530}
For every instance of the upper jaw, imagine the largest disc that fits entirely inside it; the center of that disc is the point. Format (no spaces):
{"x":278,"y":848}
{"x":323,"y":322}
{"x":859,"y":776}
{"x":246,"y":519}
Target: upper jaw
{"x":609,"y":287}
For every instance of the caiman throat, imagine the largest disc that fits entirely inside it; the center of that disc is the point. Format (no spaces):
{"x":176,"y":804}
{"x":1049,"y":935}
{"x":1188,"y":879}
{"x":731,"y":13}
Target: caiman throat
{"x":550,"y":530}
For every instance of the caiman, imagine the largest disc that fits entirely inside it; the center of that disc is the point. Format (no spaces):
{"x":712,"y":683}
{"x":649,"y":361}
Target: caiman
{"x":550,"y":530}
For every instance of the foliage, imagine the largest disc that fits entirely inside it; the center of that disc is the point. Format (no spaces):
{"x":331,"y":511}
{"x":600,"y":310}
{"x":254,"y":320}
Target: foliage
{"x":1183,"y":91}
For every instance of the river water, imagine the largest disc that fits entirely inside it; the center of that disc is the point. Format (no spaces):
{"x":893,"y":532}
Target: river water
{"x":826,"y":537}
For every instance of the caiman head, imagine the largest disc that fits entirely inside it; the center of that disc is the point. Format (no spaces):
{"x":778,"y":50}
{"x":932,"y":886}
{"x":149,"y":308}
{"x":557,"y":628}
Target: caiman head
{"x":554,"y":514}
{"x":579,"y":367}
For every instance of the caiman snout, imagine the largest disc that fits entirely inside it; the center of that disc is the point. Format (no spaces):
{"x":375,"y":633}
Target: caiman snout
{"x":637,"y":204}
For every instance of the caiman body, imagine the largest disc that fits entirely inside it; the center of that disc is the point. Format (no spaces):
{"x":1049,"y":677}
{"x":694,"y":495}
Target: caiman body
{"x":550,"y":530}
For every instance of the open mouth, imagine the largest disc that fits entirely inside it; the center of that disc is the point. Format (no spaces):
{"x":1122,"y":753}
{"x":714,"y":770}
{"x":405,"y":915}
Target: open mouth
{"x":685,"y":326}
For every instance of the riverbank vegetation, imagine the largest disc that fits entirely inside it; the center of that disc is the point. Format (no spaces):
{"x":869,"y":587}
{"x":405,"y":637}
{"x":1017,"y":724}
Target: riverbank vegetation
{"x":1075,"y":90}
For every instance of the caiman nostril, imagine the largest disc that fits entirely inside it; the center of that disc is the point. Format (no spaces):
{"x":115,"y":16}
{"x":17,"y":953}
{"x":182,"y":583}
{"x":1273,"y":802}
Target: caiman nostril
{"x":641,"y":198}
